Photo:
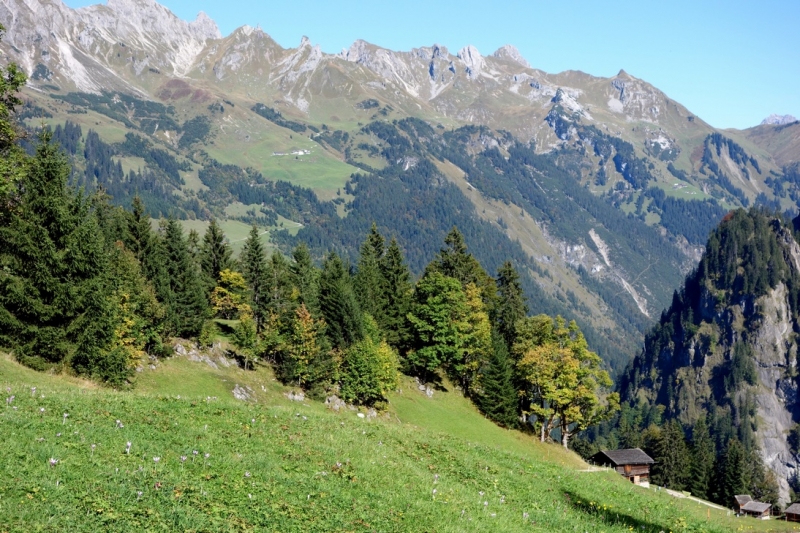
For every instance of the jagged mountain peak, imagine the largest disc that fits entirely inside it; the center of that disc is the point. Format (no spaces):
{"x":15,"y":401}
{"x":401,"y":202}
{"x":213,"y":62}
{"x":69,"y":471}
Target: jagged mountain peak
{"x":473,"y":61}
{"x":778,"y":120}
{"x":511,"y":53}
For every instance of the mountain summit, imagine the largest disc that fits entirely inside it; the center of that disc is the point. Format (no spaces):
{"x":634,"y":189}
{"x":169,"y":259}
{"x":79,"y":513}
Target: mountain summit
{"x":778,"y":120}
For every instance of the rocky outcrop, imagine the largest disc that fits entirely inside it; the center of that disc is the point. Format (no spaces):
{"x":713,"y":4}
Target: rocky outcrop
{"x":778,"y":120}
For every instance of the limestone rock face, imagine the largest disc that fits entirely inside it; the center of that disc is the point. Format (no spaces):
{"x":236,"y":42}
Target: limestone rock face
{"x":510,"y":53}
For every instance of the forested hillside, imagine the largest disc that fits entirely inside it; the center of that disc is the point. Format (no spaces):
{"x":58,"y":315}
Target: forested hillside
{"x":712,"y":392}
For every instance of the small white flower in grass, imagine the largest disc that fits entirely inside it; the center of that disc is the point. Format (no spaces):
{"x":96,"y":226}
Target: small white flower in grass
{"x":53,"y":462}
{"x":485,"y":505}
{"x":64,"y":420}
{"x":138,"y":494}
{"x":436,"y":478}
{"x":207,"y":455}
{"x":183,"y":458}
{"x":33,"y":391}
{"x":250,"y":496}
{"x":247,"y":474}
{"x":93,"y":447}
{"x":502,"y":499}
{"x":493,"y":515}
{"x":58,"y":434}
{"x":156,"y":459}
{"x":480,"y":493}
{"x":525,"y":516}
{"x":14,"y":408}
{"x":128,"y":447}
{"x":41,"y":410}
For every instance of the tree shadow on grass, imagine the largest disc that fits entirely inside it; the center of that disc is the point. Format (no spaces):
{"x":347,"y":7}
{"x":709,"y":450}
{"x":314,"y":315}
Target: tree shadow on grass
{"x":613,"y":517}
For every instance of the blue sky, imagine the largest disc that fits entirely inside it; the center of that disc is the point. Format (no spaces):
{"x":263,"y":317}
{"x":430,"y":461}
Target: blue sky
{"x":730,"y":62}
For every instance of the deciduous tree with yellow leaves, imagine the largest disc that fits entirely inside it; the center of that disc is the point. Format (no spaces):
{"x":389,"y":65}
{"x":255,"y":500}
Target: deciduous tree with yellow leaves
{"x":565,"y":382}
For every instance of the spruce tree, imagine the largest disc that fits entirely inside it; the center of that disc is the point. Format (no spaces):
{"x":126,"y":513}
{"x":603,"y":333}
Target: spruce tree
{"x":397,"y":291}
{"x":511,"y":306}
{"x":215,"y":253}
{"x":338,"y":304}
{"x":53,"y":266}
{"x":732,"y":473}
{"x":13,"y":160}
{"x":499,"y":398}
{"x":278,"y":287}
{"x":455,"y":262}
{"x":305,"y":277}
{"x":368,"y":282}
{"x":702,"y":460}
{"x":254,"y":268}
{"x":673,"y":461}
{"x":189,"y":307}
{"x":149,"y":251}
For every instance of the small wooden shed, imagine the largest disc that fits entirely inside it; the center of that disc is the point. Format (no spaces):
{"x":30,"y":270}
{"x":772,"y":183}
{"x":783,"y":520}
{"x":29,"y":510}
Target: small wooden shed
{"x":740,"y":500}
{"x":757,"y":509}
{"x":792,"y":513}
{"x":632,"y":463}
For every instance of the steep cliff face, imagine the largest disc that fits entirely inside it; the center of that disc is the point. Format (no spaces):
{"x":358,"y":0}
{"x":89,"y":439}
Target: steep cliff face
{"x":726,"y":350}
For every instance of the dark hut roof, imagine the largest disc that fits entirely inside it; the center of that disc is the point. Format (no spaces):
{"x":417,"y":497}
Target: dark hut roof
{"x":742,"y":499}
{"x":793,"y":509}
{"x":633,"y":456}
{"x":756,"y":507}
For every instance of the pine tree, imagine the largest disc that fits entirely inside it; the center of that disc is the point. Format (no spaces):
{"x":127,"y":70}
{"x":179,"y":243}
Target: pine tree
{"x":397,"y":291}
{"x":368,"y":282}
{"x":254,"y":268}
{"x":703,"y":452}
{"x":338,"y":304}
{"x":498,"y":400}
{"x":189,"y":306}
{"x":511,"y":306}
{"x":215,"y":253}
{"x":305,"y":277}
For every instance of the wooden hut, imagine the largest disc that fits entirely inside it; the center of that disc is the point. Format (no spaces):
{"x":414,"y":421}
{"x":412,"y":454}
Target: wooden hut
{"x":792,"y":513}
{"x":633,"y":463}
{"x":757,"y":509}
{"x":739,"y":501}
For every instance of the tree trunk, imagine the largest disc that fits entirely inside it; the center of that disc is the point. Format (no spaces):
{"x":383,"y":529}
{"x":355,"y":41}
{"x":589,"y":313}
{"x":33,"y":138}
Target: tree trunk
{"x":565,"y":436}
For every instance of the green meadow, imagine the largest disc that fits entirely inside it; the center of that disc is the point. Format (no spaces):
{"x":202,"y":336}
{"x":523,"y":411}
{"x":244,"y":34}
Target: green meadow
{"x":200,"y":460}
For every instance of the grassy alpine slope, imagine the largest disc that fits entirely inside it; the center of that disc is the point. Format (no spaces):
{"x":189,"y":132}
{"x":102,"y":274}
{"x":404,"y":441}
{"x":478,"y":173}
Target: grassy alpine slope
{"x":275,"y":465}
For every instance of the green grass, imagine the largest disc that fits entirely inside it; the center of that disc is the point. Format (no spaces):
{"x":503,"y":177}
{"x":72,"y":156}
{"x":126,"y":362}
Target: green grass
{"x":276,"y":465}
{"x":320,"y":170}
